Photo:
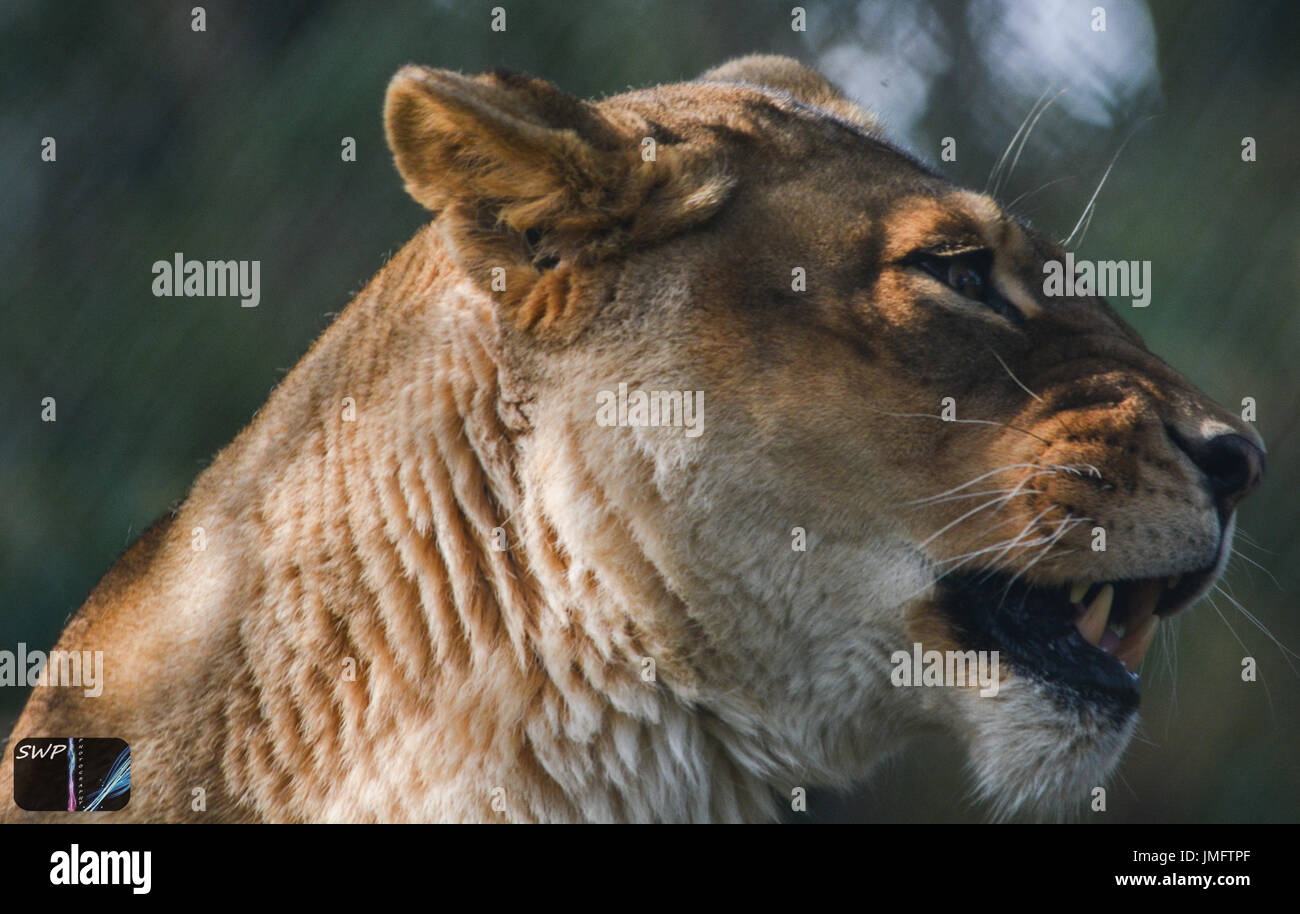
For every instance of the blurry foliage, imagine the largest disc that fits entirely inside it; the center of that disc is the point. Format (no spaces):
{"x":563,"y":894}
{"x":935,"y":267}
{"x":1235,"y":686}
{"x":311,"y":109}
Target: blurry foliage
{"x":225,"y":144}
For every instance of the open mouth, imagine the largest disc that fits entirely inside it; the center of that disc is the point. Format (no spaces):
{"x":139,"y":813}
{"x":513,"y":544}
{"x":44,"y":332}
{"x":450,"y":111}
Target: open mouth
{"x":1120,"y":618}
{"x":1085,"y":639}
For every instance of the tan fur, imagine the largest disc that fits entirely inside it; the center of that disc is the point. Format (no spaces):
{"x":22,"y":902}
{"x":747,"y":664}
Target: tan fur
{"x":513,"y":685}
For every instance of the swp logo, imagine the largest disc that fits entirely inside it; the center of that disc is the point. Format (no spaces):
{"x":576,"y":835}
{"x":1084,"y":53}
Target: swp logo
{"x":72,"y":774}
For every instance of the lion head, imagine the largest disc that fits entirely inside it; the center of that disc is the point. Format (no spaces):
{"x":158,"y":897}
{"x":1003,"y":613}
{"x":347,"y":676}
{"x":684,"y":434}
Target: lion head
{"x":841,"y":419}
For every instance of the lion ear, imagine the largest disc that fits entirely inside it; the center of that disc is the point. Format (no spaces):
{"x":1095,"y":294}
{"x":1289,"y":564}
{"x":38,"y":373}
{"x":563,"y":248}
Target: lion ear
{"x":785,"y":74}
{"x":501,"y":136}
{"x":525,"y":176}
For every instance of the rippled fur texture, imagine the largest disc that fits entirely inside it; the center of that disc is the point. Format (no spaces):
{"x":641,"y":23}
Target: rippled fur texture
{"x":353,"y":645}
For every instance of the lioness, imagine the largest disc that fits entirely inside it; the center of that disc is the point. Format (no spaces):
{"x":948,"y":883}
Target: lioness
{"x":430,"y":582}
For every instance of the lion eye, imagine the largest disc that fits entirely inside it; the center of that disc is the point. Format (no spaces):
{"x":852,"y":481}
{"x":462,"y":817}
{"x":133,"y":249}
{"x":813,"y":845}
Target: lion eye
{"x":967,"y":279}
{"x":966,"y":274}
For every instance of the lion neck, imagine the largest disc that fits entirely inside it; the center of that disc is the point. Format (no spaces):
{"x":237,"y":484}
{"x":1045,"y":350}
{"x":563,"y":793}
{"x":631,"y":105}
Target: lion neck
{"x":436,"y":628}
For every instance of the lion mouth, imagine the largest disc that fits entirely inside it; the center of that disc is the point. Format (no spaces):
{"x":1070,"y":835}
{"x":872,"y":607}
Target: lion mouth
{"x":1120,"y":618}
{"x":1084,"y":639}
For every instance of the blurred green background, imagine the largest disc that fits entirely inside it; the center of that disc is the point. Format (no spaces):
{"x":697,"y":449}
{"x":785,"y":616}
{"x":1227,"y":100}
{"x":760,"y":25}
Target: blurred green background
{"x":226,"y":144}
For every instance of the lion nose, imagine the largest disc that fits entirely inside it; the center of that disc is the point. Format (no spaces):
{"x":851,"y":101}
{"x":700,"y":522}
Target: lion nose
{"x":1232,"y":464}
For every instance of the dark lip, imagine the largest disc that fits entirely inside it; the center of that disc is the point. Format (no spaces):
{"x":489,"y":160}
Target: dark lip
{"x":1032,"y":626}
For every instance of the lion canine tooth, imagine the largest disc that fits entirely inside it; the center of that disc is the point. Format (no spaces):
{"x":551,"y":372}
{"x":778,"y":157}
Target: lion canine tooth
{"x":1174,"y":581}
{"x":1077,"y":592}
{"x":1135,"y":644}
{"x":1093,"y":621}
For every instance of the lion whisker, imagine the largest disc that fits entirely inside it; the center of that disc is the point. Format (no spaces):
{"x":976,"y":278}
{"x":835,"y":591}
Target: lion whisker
{"x":997,"y":188}
{"x":984,"y":550}
{"x":966,"y":422}
{"x":982,"y":476}
{"x":1027,"y":194}
{"x":1254,"y":620}
{"x":1000,"y":502}
{"x":1241,"y":555}
{"x":1012,"y":375}
{"x":964,"y":558}
{"x":1076,"y":469}
{"x":959,"y":497}
{"x":1250,"y":541}
{"x":1267,"y":694}
{"x":997,"y":168}
{"x":1169,"y":642}
{"x":1006,"y":591}
{"x":1092,"y":201}
{"x":1029,"y":526}
{"x":971,"y":513}
{"x":1011,"y":492}
{"x":1065,"y":527}
{"x":1025,"y":387}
